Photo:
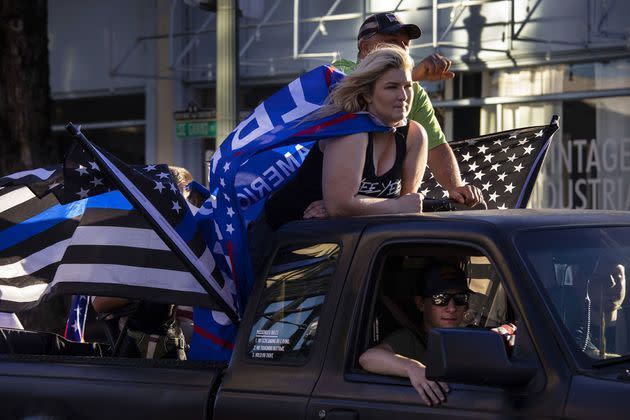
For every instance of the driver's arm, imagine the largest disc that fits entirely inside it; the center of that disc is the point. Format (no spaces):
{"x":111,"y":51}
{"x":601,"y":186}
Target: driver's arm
{"x":382,"y":360}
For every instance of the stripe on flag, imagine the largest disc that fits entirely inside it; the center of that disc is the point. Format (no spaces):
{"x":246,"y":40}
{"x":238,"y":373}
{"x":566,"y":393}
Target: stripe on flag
{"x":95,"y":246}
{"x":155,"y":195}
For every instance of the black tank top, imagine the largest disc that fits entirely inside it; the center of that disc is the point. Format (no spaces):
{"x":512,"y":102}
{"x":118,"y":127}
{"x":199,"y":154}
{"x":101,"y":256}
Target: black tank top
{"x":290,"y":201}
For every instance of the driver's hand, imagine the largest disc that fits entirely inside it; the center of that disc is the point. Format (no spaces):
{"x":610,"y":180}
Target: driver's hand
{"x":431,"y":392}
{"x":466,"y":194}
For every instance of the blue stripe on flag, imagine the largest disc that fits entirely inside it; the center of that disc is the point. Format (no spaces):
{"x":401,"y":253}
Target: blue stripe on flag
{"x":111,"y":200}
{"x":57,"y":214}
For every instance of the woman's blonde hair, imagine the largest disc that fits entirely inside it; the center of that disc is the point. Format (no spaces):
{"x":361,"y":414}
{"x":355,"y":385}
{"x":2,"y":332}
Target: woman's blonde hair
{"x":349,"y":94}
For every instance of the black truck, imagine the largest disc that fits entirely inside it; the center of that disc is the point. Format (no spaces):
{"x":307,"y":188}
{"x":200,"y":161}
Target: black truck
{"x":334,"y":288}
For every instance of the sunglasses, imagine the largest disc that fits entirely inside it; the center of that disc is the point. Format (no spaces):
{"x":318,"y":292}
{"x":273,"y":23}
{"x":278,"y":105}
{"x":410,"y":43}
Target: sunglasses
{"x":442,"y":299}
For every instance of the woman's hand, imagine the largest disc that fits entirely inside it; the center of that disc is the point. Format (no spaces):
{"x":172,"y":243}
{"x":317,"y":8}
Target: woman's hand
{"x":316,"y":210}
{"x":410,"y":203}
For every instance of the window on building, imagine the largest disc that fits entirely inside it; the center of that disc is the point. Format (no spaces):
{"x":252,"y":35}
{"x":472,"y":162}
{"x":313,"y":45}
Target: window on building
{"x":588,"y":164}
{"x":466,"y":119}
{"x":115,"y":123}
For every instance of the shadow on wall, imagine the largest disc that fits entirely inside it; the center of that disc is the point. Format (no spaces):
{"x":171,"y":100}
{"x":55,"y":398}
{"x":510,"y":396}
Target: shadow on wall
{"x":474,"y":25}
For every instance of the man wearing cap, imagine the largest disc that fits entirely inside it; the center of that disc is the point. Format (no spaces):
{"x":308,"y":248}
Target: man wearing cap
{"x":443,"y":299}
{"x":386,"y":28}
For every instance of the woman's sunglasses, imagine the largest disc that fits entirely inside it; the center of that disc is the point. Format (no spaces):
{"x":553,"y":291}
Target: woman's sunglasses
{"x":442,"y":299}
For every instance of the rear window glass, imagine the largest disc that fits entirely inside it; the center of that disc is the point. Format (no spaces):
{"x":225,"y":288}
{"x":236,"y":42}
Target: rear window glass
{"x":288,"y":313}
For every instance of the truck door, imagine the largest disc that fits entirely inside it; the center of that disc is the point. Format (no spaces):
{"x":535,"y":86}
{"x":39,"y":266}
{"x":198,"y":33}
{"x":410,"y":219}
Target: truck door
{"x":282,"y":341}
{"x":379,"y":299}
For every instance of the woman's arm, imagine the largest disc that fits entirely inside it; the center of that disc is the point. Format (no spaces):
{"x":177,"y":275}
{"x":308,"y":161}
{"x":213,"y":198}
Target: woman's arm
{"x":415,"y":161}
{"x":341,"y":178}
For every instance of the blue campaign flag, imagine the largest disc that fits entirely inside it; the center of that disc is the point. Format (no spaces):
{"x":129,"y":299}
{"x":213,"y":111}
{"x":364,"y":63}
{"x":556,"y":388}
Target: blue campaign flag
{"x":260,"y":156}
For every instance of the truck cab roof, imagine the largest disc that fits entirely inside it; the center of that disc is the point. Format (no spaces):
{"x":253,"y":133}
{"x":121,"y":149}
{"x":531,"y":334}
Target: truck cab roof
{"x":506,"y":221}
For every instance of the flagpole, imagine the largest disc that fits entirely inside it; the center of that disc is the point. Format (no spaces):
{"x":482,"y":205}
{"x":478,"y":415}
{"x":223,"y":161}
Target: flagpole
{"x":157,"y":227}
{"x":528,"y":186}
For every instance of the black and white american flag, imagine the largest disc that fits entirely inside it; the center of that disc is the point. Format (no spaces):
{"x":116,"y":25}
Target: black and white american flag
{"x":85,"y":239}
{"x":89,"y":170}
{"x":504,"y":166}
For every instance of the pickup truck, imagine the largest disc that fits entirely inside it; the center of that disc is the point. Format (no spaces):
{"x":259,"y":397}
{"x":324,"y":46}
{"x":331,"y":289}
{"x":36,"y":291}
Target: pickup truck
{"x":333,"y":288}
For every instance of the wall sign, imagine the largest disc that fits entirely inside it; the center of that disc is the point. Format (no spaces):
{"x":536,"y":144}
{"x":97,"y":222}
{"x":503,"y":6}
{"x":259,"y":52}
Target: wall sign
{"x":196,"y":128}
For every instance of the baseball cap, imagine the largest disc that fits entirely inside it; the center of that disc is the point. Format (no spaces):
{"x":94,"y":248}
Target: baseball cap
{"x":441,"y":277}
{"x":387,"y":23}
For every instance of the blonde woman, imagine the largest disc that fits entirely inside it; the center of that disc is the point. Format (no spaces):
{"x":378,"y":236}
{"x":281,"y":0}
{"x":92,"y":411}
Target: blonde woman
{"x":363,"y":173}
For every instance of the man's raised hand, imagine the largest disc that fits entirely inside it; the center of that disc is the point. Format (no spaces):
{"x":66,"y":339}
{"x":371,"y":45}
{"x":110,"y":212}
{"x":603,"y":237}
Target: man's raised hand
{"x":433,"y":68}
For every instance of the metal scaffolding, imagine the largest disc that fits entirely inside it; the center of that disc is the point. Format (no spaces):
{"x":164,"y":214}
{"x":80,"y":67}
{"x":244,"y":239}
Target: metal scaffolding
{"x":596,"y":19}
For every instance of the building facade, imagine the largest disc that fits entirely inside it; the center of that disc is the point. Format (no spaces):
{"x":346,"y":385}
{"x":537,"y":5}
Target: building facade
{"x":141,"y":76}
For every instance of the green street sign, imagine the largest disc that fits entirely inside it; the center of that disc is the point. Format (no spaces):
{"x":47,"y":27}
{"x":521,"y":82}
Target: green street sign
{"x":196,"y":128}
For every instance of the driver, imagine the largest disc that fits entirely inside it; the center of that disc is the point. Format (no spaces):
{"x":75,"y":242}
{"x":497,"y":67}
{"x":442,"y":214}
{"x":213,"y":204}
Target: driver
{"x":443,"y":300}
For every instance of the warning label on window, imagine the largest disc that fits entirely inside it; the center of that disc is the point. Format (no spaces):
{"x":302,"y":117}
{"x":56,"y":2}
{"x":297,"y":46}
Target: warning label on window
{"x":267,"y":343}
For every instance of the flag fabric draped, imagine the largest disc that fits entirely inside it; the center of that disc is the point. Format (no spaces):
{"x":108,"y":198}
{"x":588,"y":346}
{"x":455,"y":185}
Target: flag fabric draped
{"x":97,"y":245}
{"x":158,"y":200}
{"x":26,"y":268}
{"x":263,"y":153}
{"x":40,"y":181}
{"x":504,"y":166}
{"x":33,"y":237}
{"x":257,"y":158}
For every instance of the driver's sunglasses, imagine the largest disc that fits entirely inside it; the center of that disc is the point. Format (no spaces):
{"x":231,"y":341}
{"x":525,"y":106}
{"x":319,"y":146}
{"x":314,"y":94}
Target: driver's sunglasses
{"x":442,"y":299}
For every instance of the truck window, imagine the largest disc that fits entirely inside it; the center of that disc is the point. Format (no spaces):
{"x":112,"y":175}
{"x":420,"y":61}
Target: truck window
{"x":583,"y":275}
{"x":400,"y":313}
{"x":288,"y":311}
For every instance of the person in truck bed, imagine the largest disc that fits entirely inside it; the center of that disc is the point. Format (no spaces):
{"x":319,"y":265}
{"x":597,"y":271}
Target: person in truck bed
{"x":358,"y":174}
{"x":387,"y":29}
{"x":442,"y":296}
{"x":362,"y":173}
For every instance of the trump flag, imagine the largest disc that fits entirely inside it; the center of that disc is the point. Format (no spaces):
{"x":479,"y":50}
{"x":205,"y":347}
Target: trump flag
{"x":262,"y":153}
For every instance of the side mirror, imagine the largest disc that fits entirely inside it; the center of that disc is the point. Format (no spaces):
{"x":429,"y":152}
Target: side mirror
{"x":474,"y":356}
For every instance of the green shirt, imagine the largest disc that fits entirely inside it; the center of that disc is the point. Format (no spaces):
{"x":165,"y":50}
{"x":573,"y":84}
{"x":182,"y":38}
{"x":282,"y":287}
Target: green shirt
{"x":421,"y":109}
{"x":404,"y":342}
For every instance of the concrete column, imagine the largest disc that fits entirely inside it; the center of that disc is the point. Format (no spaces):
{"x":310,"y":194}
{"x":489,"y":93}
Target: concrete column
{"x":150,"y":94}
{"x":164,"y":93}
{"x":227,"y":68}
